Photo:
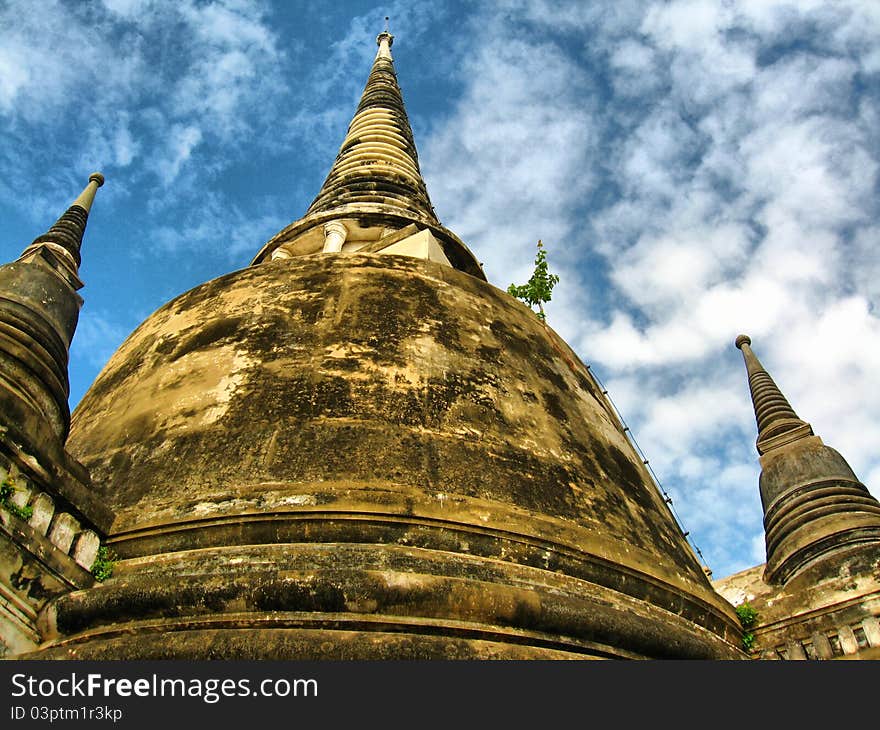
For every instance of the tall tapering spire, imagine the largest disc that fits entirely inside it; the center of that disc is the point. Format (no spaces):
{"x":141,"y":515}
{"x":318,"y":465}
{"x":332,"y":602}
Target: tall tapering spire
{"x":69,"y":228}
{"x":374,"y":199}
{"x":377,"y":161}
{"x":777,"y":421}
{"x":815,"y":508}
{"x":39,"y":310}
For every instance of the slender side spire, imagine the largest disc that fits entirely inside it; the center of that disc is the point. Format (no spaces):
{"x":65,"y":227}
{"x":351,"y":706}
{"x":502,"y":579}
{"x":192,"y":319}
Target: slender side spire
{"x":39,"y":310}
{"x":815,"y":508}
{"x":378,"y":162}
{"x":777,"y":421}
{"x":69,"y":228}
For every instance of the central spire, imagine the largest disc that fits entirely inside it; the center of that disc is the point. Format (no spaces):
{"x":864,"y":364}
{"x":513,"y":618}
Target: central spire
{"x":374,"y":200}
{"x":378,"y":162}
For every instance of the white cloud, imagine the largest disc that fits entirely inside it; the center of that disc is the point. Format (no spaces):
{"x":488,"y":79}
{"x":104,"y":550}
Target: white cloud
{"x":664,"y":271}
{"x":98,"y":335}
{"x":128,"y":8}
{"x":181,"y":71}
{"x":125,"y":148}
{"x":828,"y":365}
{"x":512,"y":161}
{"x":219,"y":228}
{"x":631,"y":55}
{"x":180,"y":144}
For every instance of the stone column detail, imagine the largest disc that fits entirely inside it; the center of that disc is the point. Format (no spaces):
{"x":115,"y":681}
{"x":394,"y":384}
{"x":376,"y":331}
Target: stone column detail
{"x":85,"y":549}
{"x":334,"y":236}
{"x":63,"y":530}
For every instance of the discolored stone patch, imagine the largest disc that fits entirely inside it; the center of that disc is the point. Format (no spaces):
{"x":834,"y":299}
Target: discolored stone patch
{"x":419,"y":384}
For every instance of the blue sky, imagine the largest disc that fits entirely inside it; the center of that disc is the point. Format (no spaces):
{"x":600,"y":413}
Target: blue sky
{"x":696,"y":169}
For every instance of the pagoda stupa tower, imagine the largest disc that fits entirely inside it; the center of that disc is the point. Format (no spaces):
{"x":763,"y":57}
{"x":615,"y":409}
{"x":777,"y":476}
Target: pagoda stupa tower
{"x":818,"y":594}
{"x":358,"y":448}
{"x":50,"y":519}
{"x":814,"y":505}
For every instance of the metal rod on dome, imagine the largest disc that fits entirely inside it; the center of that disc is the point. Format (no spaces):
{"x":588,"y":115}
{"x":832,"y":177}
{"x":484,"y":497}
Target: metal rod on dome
{"x":666,"y":498}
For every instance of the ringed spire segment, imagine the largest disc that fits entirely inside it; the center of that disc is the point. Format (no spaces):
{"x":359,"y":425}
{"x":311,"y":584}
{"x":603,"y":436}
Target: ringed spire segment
{"x":815,"y":507}
{"x":67,"y":232}
{"x":39,"y":311}
{"x":374,"y":199}
{"x":378,"y":161}
{"x":776,"y":419}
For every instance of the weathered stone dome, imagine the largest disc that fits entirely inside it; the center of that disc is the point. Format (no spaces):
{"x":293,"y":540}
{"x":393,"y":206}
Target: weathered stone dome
{"x":372,"y":456}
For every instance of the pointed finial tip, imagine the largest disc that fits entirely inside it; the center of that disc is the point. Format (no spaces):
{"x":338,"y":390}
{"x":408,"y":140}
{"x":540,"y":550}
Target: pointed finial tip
{"x":97,"y":177}
{"x":742,"y":340}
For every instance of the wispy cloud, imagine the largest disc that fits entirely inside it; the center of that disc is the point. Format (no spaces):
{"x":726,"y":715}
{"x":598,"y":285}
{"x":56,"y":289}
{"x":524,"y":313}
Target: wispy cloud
{"x":513,"y":159}
{"x":124,"y":80}
{"x":98,"y":335}
{"x":218,"y":227}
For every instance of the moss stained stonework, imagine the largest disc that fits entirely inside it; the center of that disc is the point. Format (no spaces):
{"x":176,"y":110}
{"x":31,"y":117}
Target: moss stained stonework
{"x":371,"y":456}
{"x":49,"y":517}
{"x":345,"y":452}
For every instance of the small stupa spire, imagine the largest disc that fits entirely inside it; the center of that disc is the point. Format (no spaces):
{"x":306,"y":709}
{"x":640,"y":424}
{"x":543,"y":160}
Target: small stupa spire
{"x":378,"y":162}
{"x":68,"y":230}
{"x":777,"y":421}
{"x":39,"y":311}
{"x":815,"y":507}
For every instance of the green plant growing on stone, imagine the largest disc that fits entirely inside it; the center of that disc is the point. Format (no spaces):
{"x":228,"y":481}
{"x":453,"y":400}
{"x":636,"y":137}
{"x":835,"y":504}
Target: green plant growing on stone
{"x":104,"y":563}
{"x":539,"y":288}
{"x":7,"y":489}
{"x":748,"y":619}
